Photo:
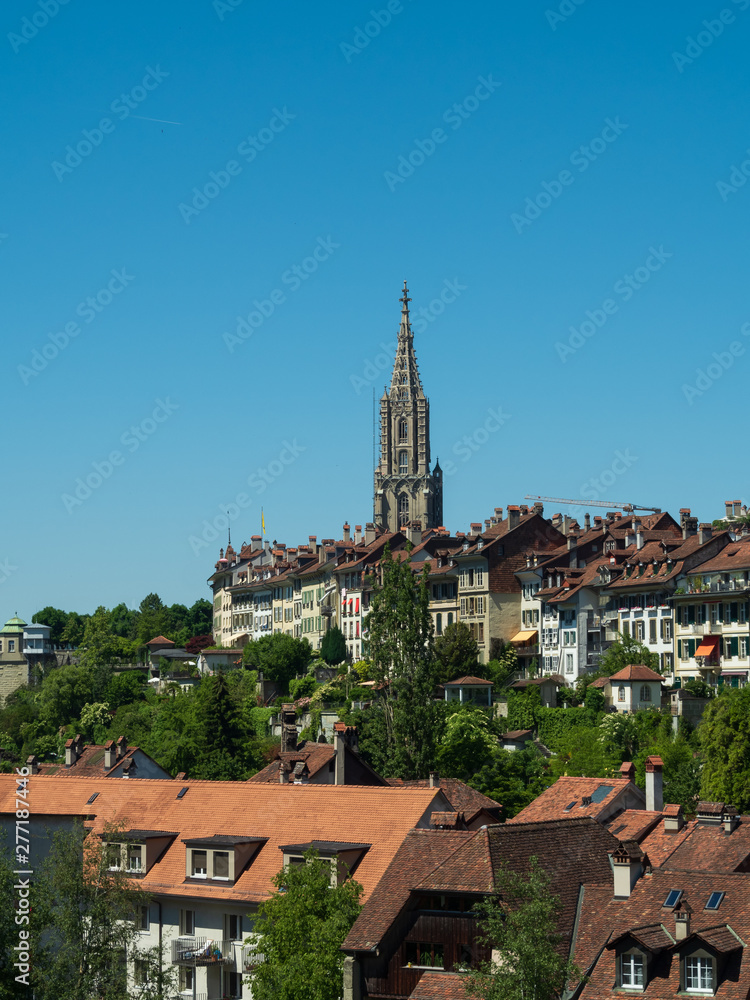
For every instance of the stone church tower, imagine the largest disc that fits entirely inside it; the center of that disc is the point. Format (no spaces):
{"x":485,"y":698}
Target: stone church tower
{"x":405,"y":489}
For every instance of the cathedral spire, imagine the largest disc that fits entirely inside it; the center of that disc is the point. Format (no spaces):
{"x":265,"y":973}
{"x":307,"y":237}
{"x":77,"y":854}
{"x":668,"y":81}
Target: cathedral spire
{"x":405,"y":382}
{"x":405,"y":328}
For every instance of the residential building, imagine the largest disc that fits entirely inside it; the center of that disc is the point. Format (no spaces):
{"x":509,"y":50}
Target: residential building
{"x":114,"y":759}
{"x":14,"y":665}
{"x":571,"y":797}
{"x":207,"y":851}
{"x":406,"y":489}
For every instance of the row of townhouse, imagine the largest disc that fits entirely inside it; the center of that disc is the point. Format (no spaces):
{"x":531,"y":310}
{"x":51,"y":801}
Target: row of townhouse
{"x":681,"y":589}
{"x":302,"y":591}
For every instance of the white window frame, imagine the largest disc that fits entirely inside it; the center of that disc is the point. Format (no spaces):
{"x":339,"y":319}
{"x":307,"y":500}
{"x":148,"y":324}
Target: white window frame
{"x":632,"y":969}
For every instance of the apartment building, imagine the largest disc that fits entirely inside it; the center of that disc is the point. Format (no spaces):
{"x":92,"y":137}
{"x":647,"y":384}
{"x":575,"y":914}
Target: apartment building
{"x":207,"y":851}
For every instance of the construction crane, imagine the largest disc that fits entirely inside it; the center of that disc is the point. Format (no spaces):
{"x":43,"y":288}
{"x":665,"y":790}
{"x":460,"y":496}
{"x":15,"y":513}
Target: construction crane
{"x":627,"y":507}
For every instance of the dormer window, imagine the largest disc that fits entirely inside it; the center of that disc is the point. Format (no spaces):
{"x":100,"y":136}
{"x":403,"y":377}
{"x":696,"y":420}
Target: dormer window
{"x":699,"y":974}
{"x":199,"y":864}
{"x":220,"y":858}
{"x":632,"y":970}
{"x":135,"y":858}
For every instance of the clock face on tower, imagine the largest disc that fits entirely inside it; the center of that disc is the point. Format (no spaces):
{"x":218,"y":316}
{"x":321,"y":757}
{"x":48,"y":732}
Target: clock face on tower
{"x":406,"y":490}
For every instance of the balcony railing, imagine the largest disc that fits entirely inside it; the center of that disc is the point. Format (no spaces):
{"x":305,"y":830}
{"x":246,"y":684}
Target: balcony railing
{"x":202,"y":951}
{"x":251,"y":958}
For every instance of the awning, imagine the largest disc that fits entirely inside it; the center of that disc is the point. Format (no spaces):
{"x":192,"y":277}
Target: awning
{"x":734,"y":673}
{"x":524,"y":636}
{"x":709,"y":645}
{"x":705,"y":650}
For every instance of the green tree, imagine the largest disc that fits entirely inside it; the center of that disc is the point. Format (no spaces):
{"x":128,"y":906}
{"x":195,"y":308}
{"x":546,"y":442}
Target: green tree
{"x":466,"y":743}
{"x":621,"y":654}
{"x":64,"y":693}
{"x":100,"y":647}
{"x":279,"y":656}
{"x":123,"y":622}
{"x":333,"y":646}
{"x":152,"y":619}
{"x":520,"y":924}
{"x":400,"y":643}
{"x":725,"y":741}
{"x":456,"y":652}
{"x":513,"y":778}
{"x":73,"y":630}
{"x":55,"y":619}
{"x":300,"y":930}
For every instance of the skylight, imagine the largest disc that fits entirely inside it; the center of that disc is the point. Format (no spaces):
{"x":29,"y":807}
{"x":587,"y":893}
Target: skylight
{"x":714,"y":900}
{"x":673,"y":898}
{"x":600,"y":793}
{"x":570,"y":805}
{"x":182,"y":792}
{"x":91,"y":799}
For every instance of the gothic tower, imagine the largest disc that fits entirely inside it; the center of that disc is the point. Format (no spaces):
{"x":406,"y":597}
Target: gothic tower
{"x":405,"y":489}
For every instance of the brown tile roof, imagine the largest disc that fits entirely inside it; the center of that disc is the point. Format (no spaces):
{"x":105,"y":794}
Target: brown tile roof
{"x":462,"y":797}
{"x":441,"y":986}
{"x":634,"y":824}
{"x":706,"y":847}
{"x":160,"y":639}
{"x":659,"y":843}
{"x":603,"y":920}
{"x":735,"y":555}
{"x":636,"y":672}
{"x":570,"y":791}
{"x":315,"y":755}
{"x":468,"y":680}
{"x":421,"y":851}
{"x":90,"y":764}
{"x":286,"y":814}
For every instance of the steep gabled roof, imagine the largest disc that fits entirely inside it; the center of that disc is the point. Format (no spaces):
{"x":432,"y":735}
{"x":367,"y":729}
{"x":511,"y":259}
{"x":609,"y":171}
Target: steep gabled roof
{"x":636,"y":672}
{"x":565,"y":798}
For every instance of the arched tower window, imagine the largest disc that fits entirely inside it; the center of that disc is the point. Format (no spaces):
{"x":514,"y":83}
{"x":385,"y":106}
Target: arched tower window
{"x":403,"y":430}
{"x":403,"y":462}
{"x":403,"y":509}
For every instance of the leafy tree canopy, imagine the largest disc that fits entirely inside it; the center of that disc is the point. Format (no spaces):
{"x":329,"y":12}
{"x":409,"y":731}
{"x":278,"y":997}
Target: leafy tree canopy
{"x":456,"y":653}
{"x":725,"y":744}
{"x":300,"y":931}
{"x":279,"y":656}
{"x":333,"y":646}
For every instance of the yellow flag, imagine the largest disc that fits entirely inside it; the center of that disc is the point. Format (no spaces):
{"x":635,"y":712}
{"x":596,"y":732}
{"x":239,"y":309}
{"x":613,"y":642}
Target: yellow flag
{"x":262,"y":520}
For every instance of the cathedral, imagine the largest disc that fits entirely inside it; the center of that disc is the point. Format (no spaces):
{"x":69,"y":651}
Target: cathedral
{"x":406,"y":491}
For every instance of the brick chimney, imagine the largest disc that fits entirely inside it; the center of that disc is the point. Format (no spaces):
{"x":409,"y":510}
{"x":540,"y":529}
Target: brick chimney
{"x":110,"y":755}
{"x":654,"y":779}
{"x":587,"y":522}
{"x":627,"y":770}
{"x":674,"y":819}
{"x":682,"y":919}
{"x":689,"y":526}
{"x":628,"y":863}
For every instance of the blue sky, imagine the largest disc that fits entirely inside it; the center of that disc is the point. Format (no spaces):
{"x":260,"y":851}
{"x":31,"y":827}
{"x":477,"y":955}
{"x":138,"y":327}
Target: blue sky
{"x":566,"y":212}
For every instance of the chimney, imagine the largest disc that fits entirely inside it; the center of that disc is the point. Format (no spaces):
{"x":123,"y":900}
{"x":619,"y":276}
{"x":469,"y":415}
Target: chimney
{"x":682,"y":919}
{"x":369,"y":533}
{"x":627,"y":770}
{"x":587,"y":522}
{"x":654,"y":778}
{"x":638,"y":533}
{"x":343,"y":736}
{"x":70,"y":753}
{"x":565,"y":526}
{"x":357,"y":534}
{"x":598,"y":520}
{"x":573,"y":550}
{"x":628,"y":862}
{"x":514,"y":516}
{"x":434,"y":779}
{"x":674,"y":820}
{"x":347,"y":532}
{"x":122,"y":747}
{"x":538,"y":508}
{"x":737,"y":508}
{"x":288,"y":728}
{"x":32,"y":763}
{"x":689,"y":526}
{"x":110,"y":755}
{"x":730,"y":819}
{"x":256,"y":543}
{"x":282,"y":773}
{"x":729,"y":509}
{"x":476,"y":528}
{"x":704,"y":532}
{"x":414,"y":532}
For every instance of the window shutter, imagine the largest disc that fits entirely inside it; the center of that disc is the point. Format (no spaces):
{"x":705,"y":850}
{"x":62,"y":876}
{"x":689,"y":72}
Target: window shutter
{"x":691,"y":614}
{"x":733,"y":611}
{"x":734,"y":644}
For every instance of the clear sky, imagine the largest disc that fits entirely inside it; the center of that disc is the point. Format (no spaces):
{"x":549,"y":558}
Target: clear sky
{"x":209,"y":210}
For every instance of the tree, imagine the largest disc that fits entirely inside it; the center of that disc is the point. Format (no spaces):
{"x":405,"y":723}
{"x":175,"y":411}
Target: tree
{"x":513,"y":778}
{"x":152,"y":619}
{"x":300,"y":931}
{"x":72,"y":633}
{"x":466,"y":742}
{"x":55,"y":619}
{"x":621,"y":654}
{"x":64,"y":693}
{"x":400,"y":643}
{"x":725,"y":741}
{"x":519,"y":923}
{"x":197,"y":643}
{"x":333,"y":646}
{"x":82,"y":925}
{"x":456,"y":652}
{"x":100,"y":646}
{"x":279,"y":656}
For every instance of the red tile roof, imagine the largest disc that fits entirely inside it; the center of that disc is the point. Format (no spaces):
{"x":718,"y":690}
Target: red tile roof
{"x":469,"y":680}
{"x":287,"y":814}
{"x":570,"y":791}
{"x":462,"y":797}
{"x":634,"y":824}
{"x":636,"y":672}
{"x":441,"y":986}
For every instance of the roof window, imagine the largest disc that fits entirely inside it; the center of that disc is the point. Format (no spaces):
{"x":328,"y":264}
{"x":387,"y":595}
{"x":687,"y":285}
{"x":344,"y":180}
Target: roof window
{"x":714,"y":900}
{"x":673,"y":898}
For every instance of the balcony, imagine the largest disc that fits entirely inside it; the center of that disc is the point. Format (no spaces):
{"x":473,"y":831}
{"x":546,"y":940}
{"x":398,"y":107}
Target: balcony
{"x":196,"y":951}
{"x":251,"y":958}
